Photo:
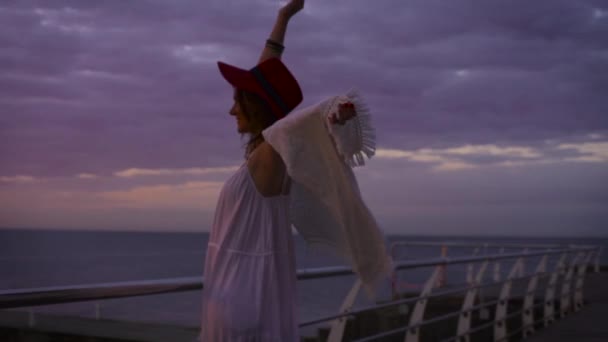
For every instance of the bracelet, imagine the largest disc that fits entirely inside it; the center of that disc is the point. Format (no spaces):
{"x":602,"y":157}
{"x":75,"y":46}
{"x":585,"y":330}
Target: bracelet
{"x":275,"y":46}
{"x":278,"y":47}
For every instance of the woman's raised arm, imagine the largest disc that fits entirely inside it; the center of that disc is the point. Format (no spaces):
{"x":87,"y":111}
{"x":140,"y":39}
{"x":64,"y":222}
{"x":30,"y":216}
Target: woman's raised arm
{"x":274,"y":45}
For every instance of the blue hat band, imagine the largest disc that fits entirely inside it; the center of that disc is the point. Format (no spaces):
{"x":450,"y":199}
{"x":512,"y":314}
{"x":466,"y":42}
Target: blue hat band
{"x":269,"y":89}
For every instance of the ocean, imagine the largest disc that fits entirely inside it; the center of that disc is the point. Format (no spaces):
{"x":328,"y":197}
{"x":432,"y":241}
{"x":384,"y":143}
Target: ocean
{"x":43,"y":258}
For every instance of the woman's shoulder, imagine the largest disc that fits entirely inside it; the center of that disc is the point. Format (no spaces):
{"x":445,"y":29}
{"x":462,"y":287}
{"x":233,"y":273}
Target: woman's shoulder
{"x":267,"y":169}
{"x":266,"y":157}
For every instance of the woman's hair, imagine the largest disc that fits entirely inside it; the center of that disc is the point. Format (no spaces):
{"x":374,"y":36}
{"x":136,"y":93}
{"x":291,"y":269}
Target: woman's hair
{"x":259,"y":116}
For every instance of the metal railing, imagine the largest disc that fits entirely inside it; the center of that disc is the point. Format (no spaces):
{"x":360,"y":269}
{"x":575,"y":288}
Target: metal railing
{"x":570,"y":269}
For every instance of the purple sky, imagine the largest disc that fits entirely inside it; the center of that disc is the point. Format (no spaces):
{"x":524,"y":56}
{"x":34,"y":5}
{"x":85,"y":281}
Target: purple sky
{"x":491,"y":116}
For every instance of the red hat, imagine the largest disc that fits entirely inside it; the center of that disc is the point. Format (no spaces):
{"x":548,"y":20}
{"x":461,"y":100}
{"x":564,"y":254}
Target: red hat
{"x":271,"y":80}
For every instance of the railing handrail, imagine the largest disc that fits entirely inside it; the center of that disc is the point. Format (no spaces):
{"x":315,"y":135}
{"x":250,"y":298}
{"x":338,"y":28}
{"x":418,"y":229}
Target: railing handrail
{"x":76,"y":293}
{"x":410,"y":300}
{"x":481,"y":244}
{"x":487,"y":257}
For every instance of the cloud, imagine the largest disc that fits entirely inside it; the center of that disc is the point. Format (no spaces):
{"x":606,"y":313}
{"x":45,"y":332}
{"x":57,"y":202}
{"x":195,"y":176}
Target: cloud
{"x":127,"y":92}
{"x":508,"y":151}
{"x":130,"y":173}
{"x":165,"y":172}
{"x":201,"y":195}
{"x":18,"y":179}
{"x":590,"y":152}
{"x":473,"y":156}
{"x":87,"y":176}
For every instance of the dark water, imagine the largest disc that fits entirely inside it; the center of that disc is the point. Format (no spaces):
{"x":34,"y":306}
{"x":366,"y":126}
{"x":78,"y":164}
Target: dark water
{"x":40,"y":258}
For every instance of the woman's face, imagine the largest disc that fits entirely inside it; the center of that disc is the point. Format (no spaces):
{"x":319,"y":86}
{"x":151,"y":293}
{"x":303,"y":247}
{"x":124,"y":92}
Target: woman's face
{"x":241,"y":120}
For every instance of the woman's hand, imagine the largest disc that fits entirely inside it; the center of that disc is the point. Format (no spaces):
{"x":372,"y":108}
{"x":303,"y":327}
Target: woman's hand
{"x":293,"y":7}
{"x":346,"y":112}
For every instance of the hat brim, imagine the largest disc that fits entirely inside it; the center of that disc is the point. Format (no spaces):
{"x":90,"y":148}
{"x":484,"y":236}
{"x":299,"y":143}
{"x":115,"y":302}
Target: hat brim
{"x":244,"y":80}
{"x":238,"y":78}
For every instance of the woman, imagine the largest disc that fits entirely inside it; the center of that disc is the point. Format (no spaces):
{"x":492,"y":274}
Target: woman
{"x":250,"y":276}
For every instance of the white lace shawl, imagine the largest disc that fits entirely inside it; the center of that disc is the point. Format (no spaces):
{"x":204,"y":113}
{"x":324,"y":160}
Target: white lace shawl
{"x":326,"y":206}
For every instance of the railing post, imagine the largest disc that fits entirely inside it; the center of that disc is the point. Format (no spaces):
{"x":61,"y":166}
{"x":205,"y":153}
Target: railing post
{"x":394,"y":284}
{"x":597,"y":259}
{"x":337,"y":326}
{"x":442,"y":279}
{"x":464,"y":320}
{"x":528,"y":313}
{"x":565,"y":296}
{"x":97,"y":310}
{"x":580,"y":280}
{"x":550,"y":292}
{"x":470,"y":267}
{"x":522,"y":270}
{"x":31,"y":318}
{"x":413,"y":334}
{"x":394,"y":275}
{"x":500,"y":321}
{"x":497,"y":266}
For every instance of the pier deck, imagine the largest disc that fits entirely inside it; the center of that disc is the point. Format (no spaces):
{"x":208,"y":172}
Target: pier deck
{"x":590,"y":324}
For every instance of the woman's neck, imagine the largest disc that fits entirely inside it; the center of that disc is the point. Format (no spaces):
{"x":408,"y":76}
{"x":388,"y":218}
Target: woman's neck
{"x":253,"y":143}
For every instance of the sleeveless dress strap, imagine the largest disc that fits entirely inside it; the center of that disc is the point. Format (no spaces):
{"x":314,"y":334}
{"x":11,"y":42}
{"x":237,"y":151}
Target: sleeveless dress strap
{"x":284,"y":184}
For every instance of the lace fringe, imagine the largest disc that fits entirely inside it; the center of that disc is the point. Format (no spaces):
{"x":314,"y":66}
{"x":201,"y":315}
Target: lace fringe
{"x":354,"y":147}
{"x":367,"y":134}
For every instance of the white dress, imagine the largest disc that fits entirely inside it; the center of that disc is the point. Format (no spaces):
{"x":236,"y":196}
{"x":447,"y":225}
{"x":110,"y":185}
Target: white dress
{"x":249,"y":292}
